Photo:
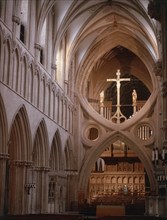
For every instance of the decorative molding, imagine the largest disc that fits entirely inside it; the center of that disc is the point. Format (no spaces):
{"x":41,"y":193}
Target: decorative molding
{"x":37,"y":69}
{"x":4,"y":156}
{"x":20,"y":163}
{"x":53,"y":87}
{"x":66,"y":82}
{"x":164,"y":89}
{"x":38,"y":47}
{"x":54,"y":66}
{"x":158,"y":68}
{"x":16,"y":19}
{"x":46,"y":169}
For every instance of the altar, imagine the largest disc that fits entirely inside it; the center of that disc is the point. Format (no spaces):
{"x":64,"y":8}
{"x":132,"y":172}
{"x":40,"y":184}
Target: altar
{"x":109,"y":210}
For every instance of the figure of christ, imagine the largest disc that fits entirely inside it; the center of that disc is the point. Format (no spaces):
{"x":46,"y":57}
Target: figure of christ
{"x":118,"y":115}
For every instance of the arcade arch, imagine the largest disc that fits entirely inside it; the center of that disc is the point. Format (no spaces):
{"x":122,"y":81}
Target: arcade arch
{"x":96,"y":151}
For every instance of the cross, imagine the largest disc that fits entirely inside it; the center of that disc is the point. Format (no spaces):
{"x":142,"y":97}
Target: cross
{"x":118,"y":115}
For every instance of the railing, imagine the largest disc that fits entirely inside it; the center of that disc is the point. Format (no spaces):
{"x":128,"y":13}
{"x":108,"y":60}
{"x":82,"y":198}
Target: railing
{"x":107,"y":110}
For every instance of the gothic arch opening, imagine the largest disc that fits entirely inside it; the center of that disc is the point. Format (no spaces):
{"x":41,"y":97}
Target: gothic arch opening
{"x":54,"y":180}
{"x":40,"y":168}
{"x":119,"y":84}
{"x":55,"y":153}
{"x":20,"y":146}
{"x":118,"y":178}
{"x":117,"y":172}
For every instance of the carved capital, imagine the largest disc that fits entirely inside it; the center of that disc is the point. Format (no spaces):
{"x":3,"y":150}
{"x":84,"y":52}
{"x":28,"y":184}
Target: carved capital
{"x":37,"y":69}
{"x":54,"y":66}
{"x":20,"y":163}
{"x":46,"y":169}
{"x":16,"y":19}
{"x":4,"y":156}
{"x":38,"y":47}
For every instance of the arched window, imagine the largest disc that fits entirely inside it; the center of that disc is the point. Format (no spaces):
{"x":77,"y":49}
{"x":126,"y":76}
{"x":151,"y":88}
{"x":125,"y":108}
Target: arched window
{"x":43,"y":42}
{"x":24,"y":19}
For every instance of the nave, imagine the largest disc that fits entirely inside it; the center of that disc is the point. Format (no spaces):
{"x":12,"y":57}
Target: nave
{"x":76,"y":77}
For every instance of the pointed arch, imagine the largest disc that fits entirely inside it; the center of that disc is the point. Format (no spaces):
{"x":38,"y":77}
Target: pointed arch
{"x":20,"y":146}
{"x":15,"y":73}
{"x":69,"y":163}
{"x":55,"y":161}
{"x":95,"y":153}
{"x":24,"y":75}
{"x":46,"y":7}
{"x":41,"y":146}
{"x":7,"y":61}
{"x":31,"y":83}
{"x":41,"y":163}
{"x":20,"y":137}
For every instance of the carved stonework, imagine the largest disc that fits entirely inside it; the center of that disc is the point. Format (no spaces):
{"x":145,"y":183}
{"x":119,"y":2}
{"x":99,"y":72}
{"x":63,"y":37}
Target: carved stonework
{"x":4,"y":156}
{"x":38,"y":47}
{"x":54,"y":67}
{"x":16,"y":19}
{"x":158,"y":68}
{"x":46,"y":169}
{"x":164,"y":89}
{"x":20,"y":163}
{"x":117,"y":179}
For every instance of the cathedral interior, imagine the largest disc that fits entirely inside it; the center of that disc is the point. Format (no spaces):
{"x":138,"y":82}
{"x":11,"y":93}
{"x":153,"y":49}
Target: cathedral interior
{"x":83,"y":108}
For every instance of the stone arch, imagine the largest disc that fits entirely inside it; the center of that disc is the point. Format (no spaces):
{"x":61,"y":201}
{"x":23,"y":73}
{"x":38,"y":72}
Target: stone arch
{"x":95,"y":54}
{"x":41,"y":146}
{"x":31,"y":83}
{"x":20,"y":146}
{"x":44,"y":12}
{"x":3,"y":153}
{"x":42,"y":90}
{"x":95,"y":153}
{"x":69,"y":156}
{"x":20,"y":135}
{"x":7,"y":61}
{"x":55,"y":161}
{"x":40,"y":168}
{"x":36,"y":88}
{"x":16,"y":75}
{"x":47,"y":104}
{"x":24,"y":77}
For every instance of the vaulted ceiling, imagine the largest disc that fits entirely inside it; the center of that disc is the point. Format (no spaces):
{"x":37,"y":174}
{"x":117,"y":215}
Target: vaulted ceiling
{"x":102,"y":36}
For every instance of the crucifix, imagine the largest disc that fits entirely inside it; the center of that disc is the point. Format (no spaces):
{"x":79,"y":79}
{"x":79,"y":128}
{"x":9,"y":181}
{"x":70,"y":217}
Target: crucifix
{"x":118,"y":116}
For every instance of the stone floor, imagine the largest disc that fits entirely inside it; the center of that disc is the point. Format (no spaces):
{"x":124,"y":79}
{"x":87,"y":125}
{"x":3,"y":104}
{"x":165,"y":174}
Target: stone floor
{"x":77,"y":217}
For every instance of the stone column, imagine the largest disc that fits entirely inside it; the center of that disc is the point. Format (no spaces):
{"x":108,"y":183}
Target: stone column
{"x":66,"y":87}
{"x":3,"y":160}
{"x":72,"y":179}
{"x":40,"y":196}
{"x":16,"y":27}
{"x":54,"y":72}
{"x":17,"y":193}
{"x":38,"y":49}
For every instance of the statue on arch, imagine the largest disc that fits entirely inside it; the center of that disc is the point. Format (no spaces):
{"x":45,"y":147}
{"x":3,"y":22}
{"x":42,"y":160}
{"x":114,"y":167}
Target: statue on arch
{"x":134,"y":97}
